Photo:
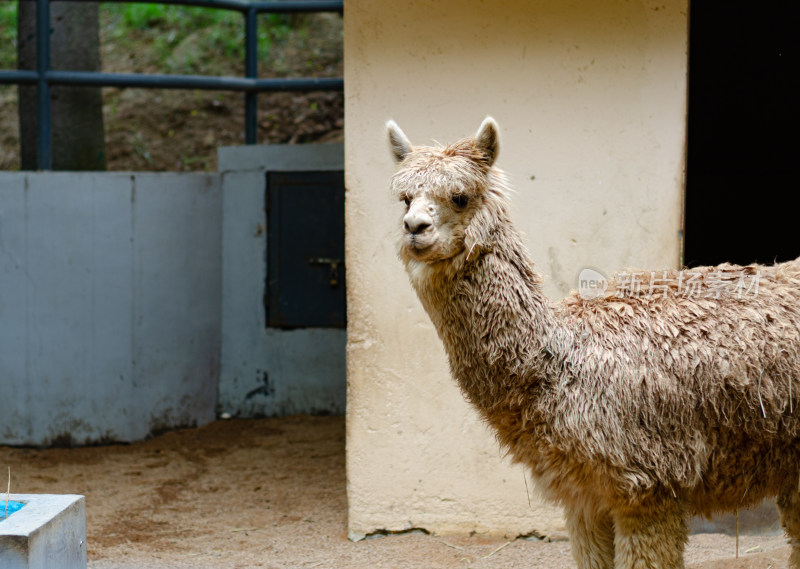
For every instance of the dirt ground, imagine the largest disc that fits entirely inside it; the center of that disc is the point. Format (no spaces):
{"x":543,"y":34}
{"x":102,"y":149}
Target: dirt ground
{"x":272,"y":493}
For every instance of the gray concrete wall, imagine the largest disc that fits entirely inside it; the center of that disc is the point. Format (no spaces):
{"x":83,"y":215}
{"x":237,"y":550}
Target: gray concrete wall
{"x":109,"y":304}
{"x":266,"y":371}
{"x":133,"y":303}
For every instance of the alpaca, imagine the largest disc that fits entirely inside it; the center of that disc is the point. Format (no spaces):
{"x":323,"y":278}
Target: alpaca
{"x":633,"y":410}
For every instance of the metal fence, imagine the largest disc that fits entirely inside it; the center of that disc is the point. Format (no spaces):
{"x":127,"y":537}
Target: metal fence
{"x":44,"y":77}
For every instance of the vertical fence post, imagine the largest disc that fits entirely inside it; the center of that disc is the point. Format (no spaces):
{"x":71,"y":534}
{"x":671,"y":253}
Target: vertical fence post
{"x":251,"y":72}
{"x":43,"y":126}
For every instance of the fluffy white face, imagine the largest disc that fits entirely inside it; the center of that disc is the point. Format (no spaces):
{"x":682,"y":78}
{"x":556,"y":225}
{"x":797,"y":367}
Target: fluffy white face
{"x":433,"y":227}
{"x":443,"y":188}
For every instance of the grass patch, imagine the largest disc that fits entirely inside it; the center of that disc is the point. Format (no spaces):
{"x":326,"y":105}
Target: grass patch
{"x":174,"y":39}
{"x":181,"y":39}
{"x":8,"y":35}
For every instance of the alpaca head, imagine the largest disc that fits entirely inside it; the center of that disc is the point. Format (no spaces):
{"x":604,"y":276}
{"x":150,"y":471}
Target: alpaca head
{"x":453,"y":196}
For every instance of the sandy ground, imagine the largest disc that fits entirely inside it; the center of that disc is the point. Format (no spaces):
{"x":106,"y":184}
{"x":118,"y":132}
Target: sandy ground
{"x":271,"y":493}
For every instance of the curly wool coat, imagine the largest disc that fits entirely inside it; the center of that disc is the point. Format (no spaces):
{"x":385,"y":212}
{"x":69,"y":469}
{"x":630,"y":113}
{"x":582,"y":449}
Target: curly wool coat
{"x":621,"y":403}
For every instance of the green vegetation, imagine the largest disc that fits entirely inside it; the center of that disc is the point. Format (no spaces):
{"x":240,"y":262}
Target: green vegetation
{"x":167,"y":38}
{"x":186,"y":40}
{"x":8,"y":35}
{"x":155,"y":129}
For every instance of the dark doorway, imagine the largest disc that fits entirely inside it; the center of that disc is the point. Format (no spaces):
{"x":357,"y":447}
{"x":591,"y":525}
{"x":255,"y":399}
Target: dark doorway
{"x":743,"y":128}
{"x":305,"y":250}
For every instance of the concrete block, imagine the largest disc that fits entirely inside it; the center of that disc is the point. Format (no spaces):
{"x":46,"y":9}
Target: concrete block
{"x":762,"y":519}
{"x":48,"y":533}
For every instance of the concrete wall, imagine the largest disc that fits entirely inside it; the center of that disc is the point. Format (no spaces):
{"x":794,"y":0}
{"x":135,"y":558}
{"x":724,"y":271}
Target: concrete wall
{"x":122,"y":295}
{"x":109,"y":305}
{"x":590,"y":97}
{"x":267,"y":371}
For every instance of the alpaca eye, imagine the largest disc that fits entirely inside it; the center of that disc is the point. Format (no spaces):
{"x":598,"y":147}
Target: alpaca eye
{"x":406,"y":201}
{"x":460,"y":201}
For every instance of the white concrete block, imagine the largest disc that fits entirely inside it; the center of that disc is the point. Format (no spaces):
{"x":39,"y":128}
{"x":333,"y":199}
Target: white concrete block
{"x":48,"y":533}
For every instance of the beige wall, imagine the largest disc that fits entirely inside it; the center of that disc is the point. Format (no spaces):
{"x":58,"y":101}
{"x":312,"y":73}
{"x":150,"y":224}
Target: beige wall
{"x":590,"y":98}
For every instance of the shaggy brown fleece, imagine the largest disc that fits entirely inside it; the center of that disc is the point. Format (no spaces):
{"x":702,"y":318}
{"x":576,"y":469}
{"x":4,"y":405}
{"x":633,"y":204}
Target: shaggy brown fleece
{"x":670,"y":395}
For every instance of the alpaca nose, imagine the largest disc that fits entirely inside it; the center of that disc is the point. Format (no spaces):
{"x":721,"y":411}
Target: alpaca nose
{"x":416,"y":223}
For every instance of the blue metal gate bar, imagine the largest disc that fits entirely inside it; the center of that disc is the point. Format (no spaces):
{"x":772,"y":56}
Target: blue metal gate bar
{"x":251,"y":72}
{"x":262,"y":6}
{"x":44,"y":77}
{"x":211,"y":83}
{"x":44,"y":139}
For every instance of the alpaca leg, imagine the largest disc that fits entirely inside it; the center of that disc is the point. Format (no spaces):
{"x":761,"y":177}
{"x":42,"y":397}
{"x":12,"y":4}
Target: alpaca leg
{"x":591,"y":537}
{"x":789,"y":507}
{"x":651,"y":539}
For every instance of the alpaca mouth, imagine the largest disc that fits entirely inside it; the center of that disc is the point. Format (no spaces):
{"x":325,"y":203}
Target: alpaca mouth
{"x":418,"y":247}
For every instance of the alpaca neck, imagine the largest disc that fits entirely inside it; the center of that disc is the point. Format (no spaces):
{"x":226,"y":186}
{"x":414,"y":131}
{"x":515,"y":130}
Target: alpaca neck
{"x":496,"y":324}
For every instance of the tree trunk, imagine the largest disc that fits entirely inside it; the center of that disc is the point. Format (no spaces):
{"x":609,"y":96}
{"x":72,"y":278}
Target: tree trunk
{"x":78,"y":137}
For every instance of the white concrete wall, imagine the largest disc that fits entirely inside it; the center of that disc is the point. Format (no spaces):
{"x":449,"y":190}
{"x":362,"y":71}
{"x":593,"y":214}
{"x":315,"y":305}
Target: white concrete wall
{"x":590,"y":97}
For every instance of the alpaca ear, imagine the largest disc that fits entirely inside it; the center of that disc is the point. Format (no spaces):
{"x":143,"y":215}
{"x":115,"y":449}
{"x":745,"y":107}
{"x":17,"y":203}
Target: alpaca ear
{"x":488,"y":139}
{"x":398,"y":141}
